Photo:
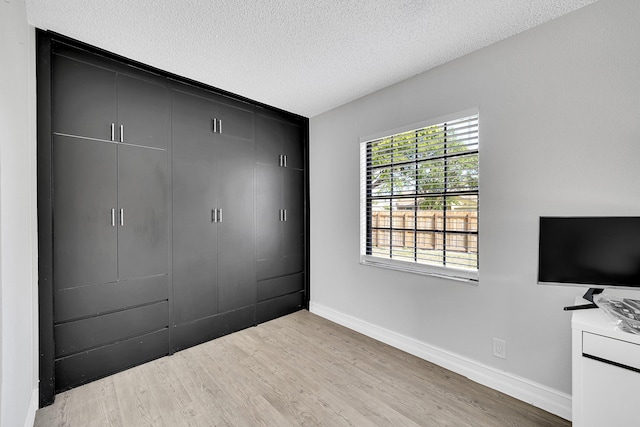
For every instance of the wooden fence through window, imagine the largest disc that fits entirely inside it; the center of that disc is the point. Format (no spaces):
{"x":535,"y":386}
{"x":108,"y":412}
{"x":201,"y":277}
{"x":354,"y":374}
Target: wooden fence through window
{"x":404,"y":222}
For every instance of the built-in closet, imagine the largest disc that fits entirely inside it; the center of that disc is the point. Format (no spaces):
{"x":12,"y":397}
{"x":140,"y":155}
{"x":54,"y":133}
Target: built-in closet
{"x":169,"y":213}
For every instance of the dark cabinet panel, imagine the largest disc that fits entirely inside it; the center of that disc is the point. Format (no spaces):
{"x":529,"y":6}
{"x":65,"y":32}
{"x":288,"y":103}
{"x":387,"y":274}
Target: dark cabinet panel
{"x":276,"y":138}
{"x":84,"y":207}
{"x":236,"y":230}
{"x":90,"y":365}
{"x":195,"y":266}
{"x":96,"y":102}
{"x":280,"y":306}
{"x":93,"y":300}
{"x":83,"y":99}
{"x":110,"y":203}
{"x":143,"y":223}
{"x":280,"y":198}
{"x":293,"y":145}
{"x":268,"y":141}
{"x":142,"y":112}
{"x":269,"y":205}
{"x":235,"y":120}
{"x":213,"y":205}
{"x":293,"y":227}
{"x":84,"y":334}
{"x":212,"y":327}
{"x":283,"y":285}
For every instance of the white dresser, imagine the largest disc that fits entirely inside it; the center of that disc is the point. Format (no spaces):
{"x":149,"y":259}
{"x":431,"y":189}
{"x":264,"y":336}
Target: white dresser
{"x":606,"y":372}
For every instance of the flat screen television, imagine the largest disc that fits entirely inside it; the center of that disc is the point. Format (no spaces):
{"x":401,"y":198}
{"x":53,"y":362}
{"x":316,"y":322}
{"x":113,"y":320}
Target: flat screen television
{"x":597,"y":252}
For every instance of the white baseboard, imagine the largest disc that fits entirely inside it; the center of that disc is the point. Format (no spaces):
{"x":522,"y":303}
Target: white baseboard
{"x":538,"y":395}
{"x":33,"y":407}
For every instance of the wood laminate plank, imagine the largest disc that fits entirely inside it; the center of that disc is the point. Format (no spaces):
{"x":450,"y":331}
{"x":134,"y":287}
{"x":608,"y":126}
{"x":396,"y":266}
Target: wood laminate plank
{"x":296,"y":370}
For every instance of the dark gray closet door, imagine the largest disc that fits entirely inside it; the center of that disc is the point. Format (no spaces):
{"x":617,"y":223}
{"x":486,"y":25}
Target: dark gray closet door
{"x":83,"y":99}
{"x":292,"y":145}
{"x":280,"y":235}
{"x":235,"y":120}
{"x":236,"y":231}
{"x":275,"y":138}
{"x":142,"y":112}
{"x":293,"y":227}
{"x":268,"y":141}
{"x":84,"y":195}
{"x":143,"y":248}
{"x":269,"y":205}
{"x":195,"y":267}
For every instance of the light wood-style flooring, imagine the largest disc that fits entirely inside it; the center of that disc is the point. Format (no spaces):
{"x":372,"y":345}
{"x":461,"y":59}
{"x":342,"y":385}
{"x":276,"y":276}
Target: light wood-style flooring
{"x":296,"y":370}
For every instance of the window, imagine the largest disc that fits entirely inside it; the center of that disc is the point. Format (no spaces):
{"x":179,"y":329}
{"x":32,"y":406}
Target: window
{"x":419,"y":198}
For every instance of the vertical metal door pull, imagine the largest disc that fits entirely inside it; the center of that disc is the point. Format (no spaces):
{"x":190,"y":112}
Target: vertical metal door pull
{"x":220,"y":217}
{"x":221,"y":133}
{"x":113,"y":217}
{"x":214,"y":216}
{"x":285,"y":163}
{"x":215,"y":125}
{"x":113,"y":131}
{"x":284,"y":216}
{"x":121,"y":217}
{"x":121,"y":133}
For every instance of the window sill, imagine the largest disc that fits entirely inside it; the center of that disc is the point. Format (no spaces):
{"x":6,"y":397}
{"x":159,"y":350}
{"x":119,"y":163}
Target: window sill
{"x":459,"y":275}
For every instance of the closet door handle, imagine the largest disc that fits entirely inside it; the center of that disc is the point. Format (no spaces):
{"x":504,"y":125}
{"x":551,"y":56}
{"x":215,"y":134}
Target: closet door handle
{"x":215,"y":125}
{"x":121,"y":133}
{"x":214,"y":215}
{"x":280,"y":162}
{"x":220,"y":133}
{"x":113,"y":217}
{"x":220,"y":216}
{"x":121,"y":217}
{"x":113,"y":131}
{"x":284,"y":215}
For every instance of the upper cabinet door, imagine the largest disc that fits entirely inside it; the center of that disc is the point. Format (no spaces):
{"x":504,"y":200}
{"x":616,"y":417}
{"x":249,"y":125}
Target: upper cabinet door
{"x":84,"y":99}
{"x":235,"y":120}
{"x":268,"y":141}
{"x":292,"y":145}
{"x":142,"y":112}
{"x":279,"y":143}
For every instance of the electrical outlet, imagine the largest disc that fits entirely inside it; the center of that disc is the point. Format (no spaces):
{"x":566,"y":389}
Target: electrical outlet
{"x":500,"y":348}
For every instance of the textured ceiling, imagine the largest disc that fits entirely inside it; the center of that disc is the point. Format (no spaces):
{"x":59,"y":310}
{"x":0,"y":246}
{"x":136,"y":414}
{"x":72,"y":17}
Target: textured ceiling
{"x":302,"y":56}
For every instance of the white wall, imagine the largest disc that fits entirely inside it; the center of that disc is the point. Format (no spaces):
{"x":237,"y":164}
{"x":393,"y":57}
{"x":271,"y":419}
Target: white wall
{"x":560,"y":135}
{"x":18,"y":252}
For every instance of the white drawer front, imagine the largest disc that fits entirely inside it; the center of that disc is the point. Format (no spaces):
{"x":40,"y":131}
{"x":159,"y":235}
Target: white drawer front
{"x":611,"y":349}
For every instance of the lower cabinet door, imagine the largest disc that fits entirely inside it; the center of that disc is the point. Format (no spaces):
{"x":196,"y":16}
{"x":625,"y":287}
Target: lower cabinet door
{"x":279,"y":286}
{"x":80,"y":368}
{"x":279,"y":306}
{"x":94,"y":347}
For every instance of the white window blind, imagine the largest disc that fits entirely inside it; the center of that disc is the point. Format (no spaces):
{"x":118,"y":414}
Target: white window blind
{"x":419,"y":198}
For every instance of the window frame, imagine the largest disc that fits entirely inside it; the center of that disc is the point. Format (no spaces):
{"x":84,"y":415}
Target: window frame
{"x":448,"y":272}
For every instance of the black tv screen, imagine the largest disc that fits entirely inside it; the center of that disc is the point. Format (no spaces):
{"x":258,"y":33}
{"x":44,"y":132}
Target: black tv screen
{"x":590,"y":251}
